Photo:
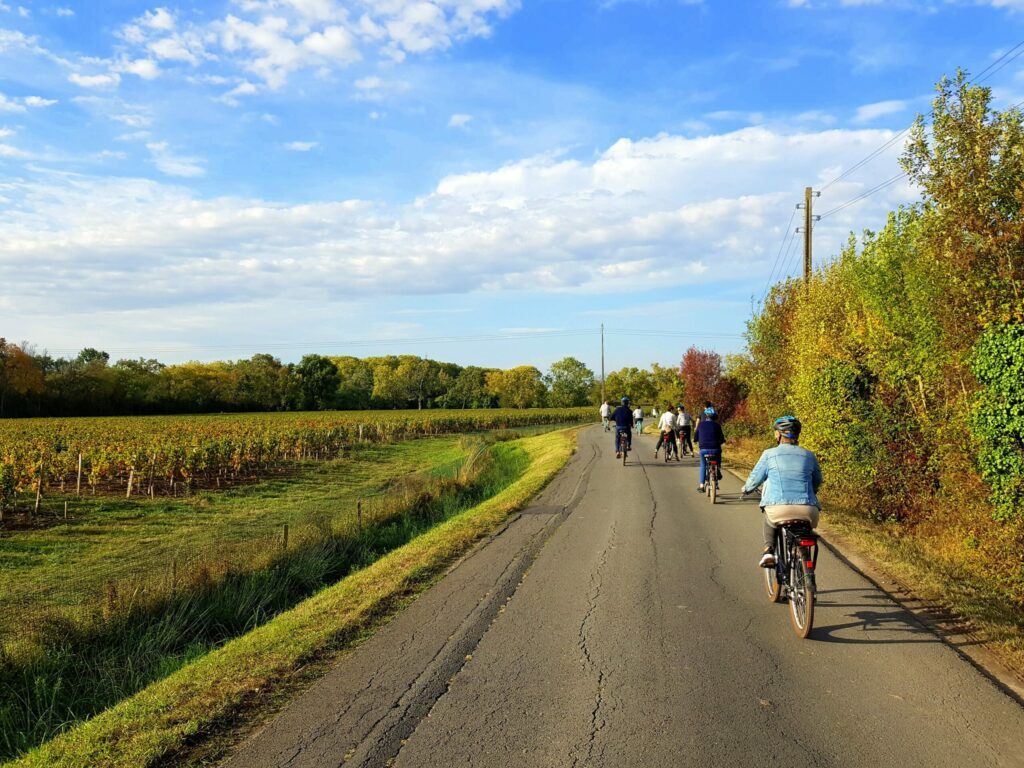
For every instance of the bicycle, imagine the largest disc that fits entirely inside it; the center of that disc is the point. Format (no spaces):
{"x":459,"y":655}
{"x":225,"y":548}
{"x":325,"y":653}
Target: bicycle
{"x":669,"y":444}
{"x":711,"y":481}
{"x":622,"y":441}
{"x":792,"y":578}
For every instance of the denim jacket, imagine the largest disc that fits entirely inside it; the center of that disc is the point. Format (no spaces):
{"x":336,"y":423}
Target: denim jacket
{"x":791,"y":475}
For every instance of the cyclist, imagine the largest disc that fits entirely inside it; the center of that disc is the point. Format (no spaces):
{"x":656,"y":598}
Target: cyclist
{"x":710,"y":439}
{"x":606,"y":411}
{"x":666,"y":432}
{"x":791,"y":476}
{"x":638,"y":420}
{"x":623,"y":418}
{"x":684,"y":426}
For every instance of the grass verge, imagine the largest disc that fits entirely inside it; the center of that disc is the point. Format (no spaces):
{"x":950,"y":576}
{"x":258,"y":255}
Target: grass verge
{"x":934,"y":564}
{"x":167,"y":716}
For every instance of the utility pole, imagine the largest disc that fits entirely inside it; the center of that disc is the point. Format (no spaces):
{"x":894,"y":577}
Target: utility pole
{"x":808,"y":228}
{"x":602,"y":363}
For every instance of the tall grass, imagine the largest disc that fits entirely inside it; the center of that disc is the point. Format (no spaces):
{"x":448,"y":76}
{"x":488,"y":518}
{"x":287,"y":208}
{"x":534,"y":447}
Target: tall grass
{"x":67,"y":670}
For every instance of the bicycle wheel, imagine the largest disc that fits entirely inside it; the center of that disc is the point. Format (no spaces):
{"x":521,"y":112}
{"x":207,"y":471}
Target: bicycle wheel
{"x":625,"y":452}
{"x":714,"y":489}
{"x":771,"y":584}
{"x":801,"y":597}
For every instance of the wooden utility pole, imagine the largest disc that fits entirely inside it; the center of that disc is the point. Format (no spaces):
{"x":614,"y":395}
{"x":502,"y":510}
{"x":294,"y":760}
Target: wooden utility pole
{"x":808,"y":229}
{"x":602,"y":363}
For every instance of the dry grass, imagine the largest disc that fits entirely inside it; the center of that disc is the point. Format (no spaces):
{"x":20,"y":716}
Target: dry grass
{"x":956,"y":557}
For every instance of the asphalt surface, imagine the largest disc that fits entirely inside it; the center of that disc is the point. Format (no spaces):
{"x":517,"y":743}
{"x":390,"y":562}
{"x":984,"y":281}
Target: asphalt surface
{"x":621,"y":621}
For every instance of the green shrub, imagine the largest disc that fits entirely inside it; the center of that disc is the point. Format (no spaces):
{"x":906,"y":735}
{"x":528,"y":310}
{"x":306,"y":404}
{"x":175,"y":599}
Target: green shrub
{"x":998,"y":423}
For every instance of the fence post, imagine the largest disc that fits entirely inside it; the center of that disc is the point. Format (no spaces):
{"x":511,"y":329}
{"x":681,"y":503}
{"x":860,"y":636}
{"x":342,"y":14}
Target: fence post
{"x":65,"y":510}
{"x":131,"y":479}
{"x":78,"y":482}
{"x":39,"y":486}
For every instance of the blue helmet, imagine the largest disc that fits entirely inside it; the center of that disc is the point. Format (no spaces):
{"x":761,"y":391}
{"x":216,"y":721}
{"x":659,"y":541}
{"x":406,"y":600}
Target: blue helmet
{"x":788,"y":426}
{"x":625,"y":400}
{"x":710,"y":412}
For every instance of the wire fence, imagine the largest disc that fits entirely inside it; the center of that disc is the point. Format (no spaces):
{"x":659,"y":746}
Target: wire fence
{"x":152,"y":574}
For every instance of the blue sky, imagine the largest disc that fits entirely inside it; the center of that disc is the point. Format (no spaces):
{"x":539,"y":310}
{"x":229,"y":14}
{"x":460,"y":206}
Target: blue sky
{"x":203,"y":180}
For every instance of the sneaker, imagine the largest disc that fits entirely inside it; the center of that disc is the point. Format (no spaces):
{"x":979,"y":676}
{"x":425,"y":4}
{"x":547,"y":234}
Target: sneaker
{"x":700,"y":489}
{"x":618,"y":454}
{"x":767,"y":560}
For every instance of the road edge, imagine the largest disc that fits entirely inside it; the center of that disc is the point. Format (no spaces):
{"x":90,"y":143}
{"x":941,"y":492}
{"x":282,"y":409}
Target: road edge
{"x":934,"y":617}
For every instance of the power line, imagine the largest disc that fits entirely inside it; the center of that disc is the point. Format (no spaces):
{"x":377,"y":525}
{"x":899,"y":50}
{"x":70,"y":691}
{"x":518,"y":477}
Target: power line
{"x":788,"y":261}
{"x":987,"y":72}
{"x":863,"y":195}
{"x":867,"y":159}
{"x":786,"y":234}
{"x":982,"y":76}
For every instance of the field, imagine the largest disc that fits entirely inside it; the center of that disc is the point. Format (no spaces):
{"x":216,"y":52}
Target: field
{"x":130,"y":587}
{"x":174,"y":455}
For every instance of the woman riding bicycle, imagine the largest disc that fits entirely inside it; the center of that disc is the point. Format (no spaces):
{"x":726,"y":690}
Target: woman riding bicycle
{"x":791,"y":476}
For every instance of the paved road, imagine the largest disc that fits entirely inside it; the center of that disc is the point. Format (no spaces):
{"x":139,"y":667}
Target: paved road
{"x":619,"y":621}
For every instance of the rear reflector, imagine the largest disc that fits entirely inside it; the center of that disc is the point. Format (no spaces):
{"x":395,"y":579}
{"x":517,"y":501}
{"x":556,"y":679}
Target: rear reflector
{"x":810,"y":564}
{"x":808,"y":542}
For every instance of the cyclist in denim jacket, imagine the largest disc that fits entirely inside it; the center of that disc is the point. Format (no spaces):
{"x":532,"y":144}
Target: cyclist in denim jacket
{"x":791,"y":477}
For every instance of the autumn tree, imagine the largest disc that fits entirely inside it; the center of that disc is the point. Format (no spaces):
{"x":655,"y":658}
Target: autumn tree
{"x":703,"y":380}
{"x":18,"y":373}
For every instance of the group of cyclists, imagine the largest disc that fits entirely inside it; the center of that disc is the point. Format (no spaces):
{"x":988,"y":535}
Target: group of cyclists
{"x":788,"y":475}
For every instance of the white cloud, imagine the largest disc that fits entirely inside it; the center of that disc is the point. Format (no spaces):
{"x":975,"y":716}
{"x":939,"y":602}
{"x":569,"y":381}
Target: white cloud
{"x":173,"y":165}
{"x":273,"y":39}
{"x":667,"y":209}
{"x":64,"y":12}
{"x":459,"y":120}
{"x":10,"y":105}
{"x":244,"y":88}
{"x":374,"y":88}
{"x":95,"y":81}
{"x":6,"y":150}
{"x":147,"y":69}
{"x":160,"y":19}
{"x":869,"y":112}
{"x":133,"y":120}
{"x":301,"y":146}
{"x":6,"y":133}
{"x":39,"y":101}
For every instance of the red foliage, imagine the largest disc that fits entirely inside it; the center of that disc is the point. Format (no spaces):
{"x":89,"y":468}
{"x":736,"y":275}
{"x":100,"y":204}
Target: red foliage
{"x":701,"y":372}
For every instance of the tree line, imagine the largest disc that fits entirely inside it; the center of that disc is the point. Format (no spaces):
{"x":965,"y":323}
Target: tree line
{"x":89,"y":384}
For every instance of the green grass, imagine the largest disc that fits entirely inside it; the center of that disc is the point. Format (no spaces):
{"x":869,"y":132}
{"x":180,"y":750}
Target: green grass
{"x":114,"y":538}
{"x":74,"y":663}
{"x":187,"y":705}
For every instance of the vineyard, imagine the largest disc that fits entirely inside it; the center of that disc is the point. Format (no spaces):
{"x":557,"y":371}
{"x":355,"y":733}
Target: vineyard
{"x":172,"y":455}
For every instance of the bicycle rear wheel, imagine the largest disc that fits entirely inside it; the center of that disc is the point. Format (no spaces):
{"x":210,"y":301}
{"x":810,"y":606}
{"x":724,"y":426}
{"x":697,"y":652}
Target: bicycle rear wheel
{"x":771,"y":584}
{"x":714,"y":485}
{"x":801,"y":598}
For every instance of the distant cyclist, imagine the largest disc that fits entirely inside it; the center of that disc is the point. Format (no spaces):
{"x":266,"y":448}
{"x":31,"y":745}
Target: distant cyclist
{"x":606,"y":411}
{"x":638,"y":420}
{"x":791,"y":477}
{"x":684,"y":427}
{"x":666,"y":432}
{"x":623,"y":418}
{"x":710,"y":440}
